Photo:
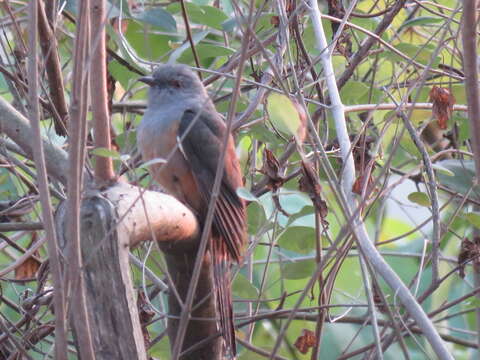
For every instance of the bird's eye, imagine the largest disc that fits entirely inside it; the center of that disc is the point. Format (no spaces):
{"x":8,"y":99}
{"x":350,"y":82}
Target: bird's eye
{"x":175,"y":83}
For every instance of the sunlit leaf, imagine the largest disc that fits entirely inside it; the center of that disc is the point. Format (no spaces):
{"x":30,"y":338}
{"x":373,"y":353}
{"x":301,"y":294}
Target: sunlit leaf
{"x":246,"y":194}
{"x":442,"y":169}
{"x":283,"y":114}
{"x":108,"y":153}
{"x":474,"y":219}
{"x":419,"y":198}
{"x":421,"y":21}
{"x":352,"y":91}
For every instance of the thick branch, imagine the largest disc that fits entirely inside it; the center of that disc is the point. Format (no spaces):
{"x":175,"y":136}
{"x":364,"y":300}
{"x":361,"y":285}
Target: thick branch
{"x":145,"y":215}
{"x":17,"y":128}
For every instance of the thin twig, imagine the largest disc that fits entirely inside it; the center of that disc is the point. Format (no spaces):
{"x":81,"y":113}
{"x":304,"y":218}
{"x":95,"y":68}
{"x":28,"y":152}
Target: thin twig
{"x":348,"y":177}
{"x":77,"y":136}
{"x":98,"y":89}
{"x":59,"y":294}
{"x":189,"y":35}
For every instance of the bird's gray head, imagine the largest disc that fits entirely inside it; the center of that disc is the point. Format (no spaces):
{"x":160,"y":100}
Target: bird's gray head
{"x":172,"y":84}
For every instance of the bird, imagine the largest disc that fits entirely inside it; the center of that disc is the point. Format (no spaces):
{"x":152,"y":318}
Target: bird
{"x":182,"y":127}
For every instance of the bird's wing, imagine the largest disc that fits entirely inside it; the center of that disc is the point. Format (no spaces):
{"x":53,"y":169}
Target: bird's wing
{"x":202,"y":136}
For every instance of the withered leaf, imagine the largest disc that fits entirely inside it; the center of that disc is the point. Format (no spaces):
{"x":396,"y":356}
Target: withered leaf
{"x":468,"y":250}
{"x":443,"y":101}
{"x":145,"y":314}
{"x":305,"y":341}
{"x":360,"y":183}
{"x":272,"y":169}
{"x":27,"y":269}
{"x":377,"y":298}
{"x":275,"y":21}
{"x":310,"y":184}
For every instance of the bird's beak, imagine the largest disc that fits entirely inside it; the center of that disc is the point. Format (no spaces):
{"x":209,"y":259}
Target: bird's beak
{"x":149,"y":80}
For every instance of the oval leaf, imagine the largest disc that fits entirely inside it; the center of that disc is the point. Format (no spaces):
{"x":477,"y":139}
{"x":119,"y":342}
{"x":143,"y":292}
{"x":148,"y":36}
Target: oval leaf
{"x":474,"y":219}
{"x":298,"y":239}
{"x":419,"y":198}
{"x":157,"y":17}
{"x":243,"y":288}
{"x":299,"y":269}
{"x":245,"y":194}
{"x":442,"y":169}
{"x":104,"y":152}
{"x":283,"y":114}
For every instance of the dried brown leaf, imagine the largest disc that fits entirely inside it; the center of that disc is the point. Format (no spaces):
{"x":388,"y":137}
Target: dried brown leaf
{"x":305,"y":341}
{"x":443,"y":102}
{"x":310,"y":184}
{"x":27,"y":269}
{"x":469,"y":250}
{"x":272,"y":169}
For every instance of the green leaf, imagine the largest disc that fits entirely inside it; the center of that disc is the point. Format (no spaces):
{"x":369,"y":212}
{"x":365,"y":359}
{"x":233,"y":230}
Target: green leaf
{"x":146,"y":44}
{"x":421,"y":21}
{"x":245,"y":194}
{"x":283,"y":114}
{"x":298,"y":239}
{"x":255,"y":217}
{"x":157,"y":17}
{"x":298,"y":269}
{"x":474,"y":219}
{"x":205,"y":51}
{"x":214,"y":17}
{"x":203,"y":14}
{"x":243,"y":288}
{"x":462,"y":182}
{"x":419,"y":198}
{"x":112,"y":10}
{"x":108,"y":153}
{"x":121,"y":73}
{"x":421,"y":55}
{"x":294,"y":201}
{"x":196,"y":38}
{"x":442,"y":169}
{"x":352,"y":92}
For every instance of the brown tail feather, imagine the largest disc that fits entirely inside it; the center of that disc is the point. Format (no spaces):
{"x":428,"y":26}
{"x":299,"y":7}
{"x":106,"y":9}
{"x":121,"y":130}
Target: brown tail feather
{"x":223,"y":294}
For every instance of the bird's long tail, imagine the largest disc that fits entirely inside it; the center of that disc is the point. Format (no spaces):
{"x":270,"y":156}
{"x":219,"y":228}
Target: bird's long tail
{"x":223,"y":294}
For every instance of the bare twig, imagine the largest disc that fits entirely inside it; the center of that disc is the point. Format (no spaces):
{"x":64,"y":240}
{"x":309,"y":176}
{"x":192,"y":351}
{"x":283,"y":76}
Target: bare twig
{"x":369,"y":42}
{"x":49,"y":46}
{"x":59,"y":295}
{"x":470,"y":67}
{"x":348,"y":177}
{"x":98,"y":90}
{"x":77,"y":132}
{"x":189,"y":35}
